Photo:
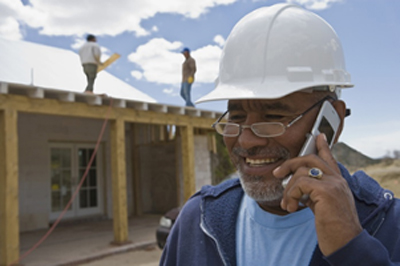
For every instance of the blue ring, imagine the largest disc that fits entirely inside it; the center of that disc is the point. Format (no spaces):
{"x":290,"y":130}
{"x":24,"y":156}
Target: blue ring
{"x":315,"y":173}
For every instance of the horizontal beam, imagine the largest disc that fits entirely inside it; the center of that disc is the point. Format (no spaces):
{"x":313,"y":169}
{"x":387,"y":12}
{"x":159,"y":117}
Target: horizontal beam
{"x":84,"y":110}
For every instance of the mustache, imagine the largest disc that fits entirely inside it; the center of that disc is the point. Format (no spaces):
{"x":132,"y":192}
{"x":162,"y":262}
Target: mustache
{"x":262,"y":151}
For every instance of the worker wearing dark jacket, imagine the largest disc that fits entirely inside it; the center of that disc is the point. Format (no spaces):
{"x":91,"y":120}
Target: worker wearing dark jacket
{"x":205,"y":231}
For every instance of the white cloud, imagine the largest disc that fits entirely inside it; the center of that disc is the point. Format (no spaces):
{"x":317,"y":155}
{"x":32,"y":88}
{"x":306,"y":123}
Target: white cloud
{"x":314,"y":4}
{"x":100,"y":17}
{"x":9,"y":15}
{"x":207,"y":62}
{"x":161,"y":61}
{"x":137,"y":74}
{"x":78,"y":42}
{"x":9,"y":29}
{"x":171,"y":91}
{"x":154,"y":29}
{"x":105,"y":53}
{"x":218,"y":39}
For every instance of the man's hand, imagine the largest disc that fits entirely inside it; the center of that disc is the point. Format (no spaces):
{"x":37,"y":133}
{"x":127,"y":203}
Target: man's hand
{"x":190,"y":80}
{"x":330,"y":198}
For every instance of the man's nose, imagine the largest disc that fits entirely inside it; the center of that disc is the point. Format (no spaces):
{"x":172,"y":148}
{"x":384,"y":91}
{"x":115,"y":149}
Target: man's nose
{"x":247,"y":139}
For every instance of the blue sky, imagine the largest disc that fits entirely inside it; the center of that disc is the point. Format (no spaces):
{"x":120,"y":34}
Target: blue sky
{"x":149,"y":34}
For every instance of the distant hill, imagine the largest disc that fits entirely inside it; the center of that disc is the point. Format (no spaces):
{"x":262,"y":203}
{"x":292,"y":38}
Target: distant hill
{"x":352,"y":158}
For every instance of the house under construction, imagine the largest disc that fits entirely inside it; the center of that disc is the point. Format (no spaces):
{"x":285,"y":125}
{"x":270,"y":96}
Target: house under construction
{"x":151,"y":158}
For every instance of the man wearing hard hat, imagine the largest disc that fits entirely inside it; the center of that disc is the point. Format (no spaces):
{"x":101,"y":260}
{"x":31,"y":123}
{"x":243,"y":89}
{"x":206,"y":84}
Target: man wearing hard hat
{"x":281,"y":71}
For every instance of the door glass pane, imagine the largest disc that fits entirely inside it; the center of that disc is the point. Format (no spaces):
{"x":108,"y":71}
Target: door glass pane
{"x":60,"y":186}
{"x":55,"y":179}
{"x":55,"y":201}
{"x":82,"y":157}
{"x":92,"y":178}
{"x":66,"y":197}
{"x":55,"y":158}
{"x":90,"y":153}
{"x":88,"y":191}
{"x":83,"y":199}
{"x":81,"y":173}
{"x":93,"y":198}
{"x":65,"y":159}
{"x":66,"y":179}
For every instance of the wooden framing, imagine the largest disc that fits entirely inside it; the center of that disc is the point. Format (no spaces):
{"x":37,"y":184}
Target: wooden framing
{"x":118,"y":177}
{"x":108,"y":62}
{"x":189,"y":185}
{"x":78,"y":109}
{"x":59,"y":103}
{"x":9,"y":210}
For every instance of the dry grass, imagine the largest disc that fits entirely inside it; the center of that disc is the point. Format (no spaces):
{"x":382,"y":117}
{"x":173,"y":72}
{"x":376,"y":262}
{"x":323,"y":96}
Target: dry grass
{"x":387,"y":174}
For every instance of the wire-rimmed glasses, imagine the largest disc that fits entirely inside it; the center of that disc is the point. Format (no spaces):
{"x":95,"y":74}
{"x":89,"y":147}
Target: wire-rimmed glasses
{"x":261,"y":129}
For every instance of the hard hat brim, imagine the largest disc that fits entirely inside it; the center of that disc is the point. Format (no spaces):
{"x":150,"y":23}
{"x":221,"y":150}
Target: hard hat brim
{"x":247,"y":91}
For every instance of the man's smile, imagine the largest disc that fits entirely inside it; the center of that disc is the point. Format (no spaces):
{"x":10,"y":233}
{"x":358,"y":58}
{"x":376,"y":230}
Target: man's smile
{"x":260,"y":162}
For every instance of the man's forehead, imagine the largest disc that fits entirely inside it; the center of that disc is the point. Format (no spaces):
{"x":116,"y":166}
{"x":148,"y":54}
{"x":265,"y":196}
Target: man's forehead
{"x":257,"y":105}
{"x":262,"y":105}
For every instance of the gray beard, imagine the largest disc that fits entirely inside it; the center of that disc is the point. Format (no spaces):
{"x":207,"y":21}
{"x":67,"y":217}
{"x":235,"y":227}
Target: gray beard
{"x":261,"y":191}
{"x":268,"y":191}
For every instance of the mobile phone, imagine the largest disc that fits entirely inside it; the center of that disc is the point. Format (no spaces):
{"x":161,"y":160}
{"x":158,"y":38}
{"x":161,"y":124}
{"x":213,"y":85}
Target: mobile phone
{"x":327,"y":122}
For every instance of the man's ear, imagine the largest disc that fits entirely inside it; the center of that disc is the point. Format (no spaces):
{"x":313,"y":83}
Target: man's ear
{"x":340,"y":108}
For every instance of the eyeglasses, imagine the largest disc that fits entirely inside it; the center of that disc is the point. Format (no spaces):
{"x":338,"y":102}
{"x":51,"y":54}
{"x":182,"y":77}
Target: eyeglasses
{"x":262,"y":129}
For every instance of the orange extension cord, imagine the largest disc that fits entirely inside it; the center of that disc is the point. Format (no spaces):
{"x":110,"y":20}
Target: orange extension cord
{"x":76,"y":190}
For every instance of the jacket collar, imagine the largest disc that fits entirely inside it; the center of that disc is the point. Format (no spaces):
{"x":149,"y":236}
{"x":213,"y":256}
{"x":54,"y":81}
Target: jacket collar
{"x":219,"y":216}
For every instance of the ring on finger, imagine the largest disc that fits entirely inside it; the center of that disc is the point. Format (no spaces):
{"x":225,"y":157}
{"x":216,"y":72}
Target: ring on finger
{"x":315,"y":173}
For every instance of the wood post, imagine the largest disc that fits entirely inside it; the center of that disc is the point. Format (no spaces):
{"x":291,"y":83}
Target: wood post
{"x":189,"y":184}
{"x":9,"y":209}
{"x":118,"y":176}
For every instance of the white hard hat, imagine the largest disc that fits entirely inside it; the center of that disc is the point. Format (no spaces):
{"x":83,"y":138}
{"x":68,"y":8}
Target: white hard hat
{"x":277,"y":50}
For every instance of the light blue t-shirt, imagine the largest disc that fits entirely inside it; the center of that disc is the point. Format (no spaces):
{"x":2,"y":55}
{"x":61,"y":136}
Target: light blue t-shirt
{"x":267,"y":239}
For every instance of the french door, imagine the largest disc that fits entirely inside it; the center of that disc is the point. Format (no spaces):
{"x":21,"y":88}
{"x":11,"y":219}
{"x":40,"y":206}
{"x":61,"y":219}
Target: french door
{"x":68,"y":163}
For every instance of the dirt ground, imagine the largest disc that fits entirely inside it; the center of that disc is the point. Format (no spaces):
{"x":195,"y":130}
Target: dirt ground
{"x":387,"y":174}
{"x":147,"y":257}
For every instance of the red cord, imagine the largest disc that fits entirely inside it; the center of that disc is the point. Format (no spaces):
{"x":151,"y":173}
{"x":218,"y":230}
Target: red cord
{"x":76,"y":190}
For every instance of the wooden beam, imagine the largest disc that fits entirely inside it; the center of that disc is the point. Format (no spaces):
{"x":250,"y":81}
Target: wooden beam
{"x":108,"y":62}
{"x":189,"y":184}
{"x":118,"y":170}
{"x":9,"y":202}
{"x":79,"y":109}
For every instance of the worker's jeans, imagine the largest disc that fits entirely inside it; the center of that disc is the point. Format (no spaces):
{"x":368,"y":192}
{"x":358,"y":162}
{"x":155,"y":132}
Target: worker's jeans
{"x":185,"y":93}
{"x":90,"y":72}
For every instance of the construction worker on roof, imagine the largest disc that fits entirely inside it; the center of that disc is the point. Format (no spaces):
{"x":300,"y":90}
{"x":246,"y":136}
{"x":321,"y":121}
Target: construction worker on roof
{"x":281,"y":70}
{"x":90,"y":54}
{"x":188,"y":71}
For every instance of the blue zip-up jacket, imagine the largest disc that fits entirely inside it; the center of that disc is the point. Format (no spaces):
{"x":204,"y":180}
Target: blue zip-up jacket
{"x":204,"y":233}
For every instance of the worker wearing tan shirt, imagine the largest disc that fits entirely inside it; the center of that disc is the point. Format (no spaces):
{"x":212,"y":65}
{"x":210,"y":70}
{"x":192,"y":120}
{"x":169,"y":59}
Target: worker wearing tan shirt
{"x":188,"y":71}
